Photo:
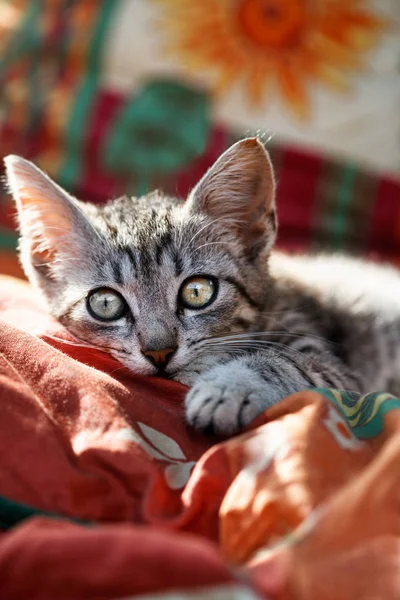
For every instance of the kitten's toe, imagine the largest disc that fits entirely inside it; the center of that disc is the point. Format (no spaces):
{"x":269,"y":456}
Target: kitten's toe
{"x":224,"y":408}
{"x":200,"y":405}
{"x":235,"y":410}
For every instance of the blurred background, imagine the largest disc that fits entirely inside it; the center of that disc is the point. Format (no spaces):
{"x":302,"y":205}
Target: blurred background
{"x":116,"y":97}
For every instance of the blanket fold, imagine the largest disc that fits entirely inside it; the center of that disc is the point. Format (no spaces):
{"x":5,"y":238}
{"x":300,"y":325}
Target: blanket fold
{"x":107,"y":493}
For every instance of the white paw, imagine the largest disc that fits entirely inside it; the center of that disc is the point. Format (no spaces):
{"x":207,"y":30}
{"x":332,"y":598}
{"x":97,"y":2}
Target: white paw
{"x":225,"y":400}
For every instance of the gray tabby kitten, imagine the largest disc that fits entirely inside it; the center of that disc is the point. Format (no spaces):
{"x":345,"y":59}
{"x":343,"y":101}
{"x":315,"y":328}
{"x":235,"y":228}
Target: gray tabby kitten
{"x":192,"y":292}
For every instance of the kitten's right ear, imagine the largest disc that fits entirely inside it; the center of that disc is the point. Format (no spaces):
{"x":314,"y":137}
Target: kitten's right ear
{"x":240,"y":187}
{"x":53,"y":228}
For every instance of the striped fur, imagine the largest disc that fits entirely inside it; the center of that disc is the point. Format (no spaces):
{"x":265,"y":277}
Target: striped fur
{"x":279,"y":324}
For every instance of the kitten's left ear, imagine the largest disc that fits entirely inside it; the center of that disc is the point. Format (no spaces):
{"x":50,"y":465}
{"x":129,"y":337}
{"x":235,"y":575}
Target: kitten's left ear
{"x":240,"y":187}
{"x":53,"y":227}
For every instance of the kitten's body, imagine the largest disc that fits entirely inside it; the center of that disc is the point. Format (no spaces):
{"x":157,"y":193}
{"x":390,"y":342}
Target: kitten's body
{"x":352,"y":305}
{"x":276,"y":324}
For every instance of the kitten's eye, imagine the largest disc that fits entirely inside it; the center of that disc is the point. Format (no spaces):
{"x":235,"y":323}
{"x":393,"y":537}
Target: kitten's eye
{"x":106,"y":305}
{"x":198,"y":292}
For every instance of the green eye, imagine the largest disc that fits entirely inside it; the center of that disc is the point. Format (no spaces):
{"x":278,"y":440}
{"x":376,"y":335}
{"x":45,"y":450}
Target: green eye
{"x":106,"y":305}
{"x":198,"y":292}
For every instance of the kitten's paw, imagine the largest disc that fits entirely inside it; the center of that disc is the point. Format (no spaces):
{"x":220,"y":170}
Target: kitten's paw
{"x":227,"y":398}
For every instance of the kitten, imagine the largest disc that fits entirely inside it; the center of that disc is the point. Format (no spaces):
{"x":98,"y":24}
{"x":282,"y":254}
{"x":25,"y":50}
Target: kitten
{"x":192,"y":292}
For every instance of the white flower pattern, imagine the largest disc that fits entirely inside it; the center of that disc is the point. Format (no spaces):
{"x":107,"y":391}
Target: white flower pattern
{"x":163,"y":448}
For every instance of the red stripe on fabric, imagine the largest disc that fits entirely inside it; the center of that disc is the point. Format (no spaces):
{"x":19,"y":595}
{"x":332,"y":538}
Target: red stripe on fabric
{"x":384,"y":238}
{"x":57,"y":28}
{"x":7,"y":213}
{"x":16,"y":140}
{"x":296,"y":192}
{"x":96,"y":185}
{"x":9,"y":139}
{"x":187,"y":178}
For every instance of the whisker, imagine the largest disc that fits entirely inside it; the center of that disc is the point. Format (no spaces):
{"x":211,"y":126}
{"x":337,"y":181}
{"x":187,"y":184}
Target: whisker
{"x":121,"y":368}
{"x":69,"y":342}
{"x":95,"y":346}
{"x":57,"y":261}
{"x":295,"y":334}
{"x":183,"y":223}
{"x":227,"y":352}
{"x":53,"y":228}
{"x":250,"y":345}
{"x":237,"y":221}
{"x":211,"y":244}
{"x":83,"y":344}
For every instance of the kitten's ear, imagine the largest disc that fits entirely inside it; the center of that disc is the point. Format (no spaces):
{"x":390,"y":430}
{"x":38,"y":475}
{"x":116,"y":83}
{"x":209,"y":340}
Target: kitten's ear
{"x":53,"y":228}
{"x":240,"y":186}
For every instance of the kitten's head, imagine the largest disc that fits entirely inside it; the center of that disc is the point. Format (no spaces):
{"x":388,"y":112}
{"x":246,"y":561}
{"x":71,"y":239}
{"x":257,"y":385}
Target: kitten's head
{"x":152,"y":279}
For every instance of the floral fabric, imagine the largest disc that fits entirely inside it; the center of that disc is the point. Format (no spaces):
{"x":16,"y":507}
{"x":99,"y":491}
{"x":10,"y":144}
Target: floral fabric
{"x":122,"y":97}
{"x":106,"y":493}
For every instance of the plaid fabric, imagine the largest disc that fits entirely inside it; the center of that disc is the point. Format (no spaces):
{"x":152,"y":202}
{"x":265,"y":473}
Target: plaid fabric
{"x":99,"y":143}
{"x":322,"y":205}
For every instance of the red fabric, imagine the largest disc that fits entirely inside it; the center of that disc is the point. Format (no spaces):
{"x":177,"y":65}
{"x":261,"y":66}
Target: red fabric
{"x":385,"y":220}
{"x":297,"y":508}
{"x":95,"y":182}
{"x":71,"y":442}
{"x":76,"y":410}
{"x":297,"y":188}
{"x":45,"y":559}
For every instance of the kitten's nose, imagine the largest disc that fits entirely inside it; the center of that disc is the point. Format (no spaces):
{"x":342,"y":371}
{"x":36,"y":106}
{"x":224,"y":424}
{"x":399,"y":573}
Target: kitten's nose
{"x":159,"y":358}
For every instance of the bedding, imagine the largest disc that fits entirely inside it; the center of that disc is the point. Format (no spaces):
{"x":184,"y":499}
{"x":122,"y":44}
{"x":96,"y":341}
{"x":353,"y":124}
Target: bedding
{"x":105,"y":492}
{"x":112,"y":98}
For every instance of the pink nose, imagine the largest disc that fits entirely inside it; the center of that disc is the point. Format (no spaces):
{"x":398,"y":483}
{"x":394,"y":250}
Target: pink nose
{"x":159,"y":358}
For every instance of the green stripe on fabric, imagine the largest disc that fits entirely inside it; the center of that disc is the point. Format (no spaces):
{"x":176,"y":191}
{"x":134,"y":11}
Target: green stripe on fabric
{"x":26,"y":38}
{"x":344,"y":197}
{"x":72,"y":168}
{"x":359,"y":215}
{"x":325,"y":204}
{"x":13,"y":513}
{"x":8,"y":239}
{"x":71,"y":171}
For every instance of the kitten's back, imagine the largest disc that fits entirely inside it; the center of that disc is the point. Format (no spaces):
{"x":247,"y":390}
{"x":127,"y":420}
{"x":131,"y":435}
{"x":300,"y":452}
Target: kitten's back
{"x":348,"y":283}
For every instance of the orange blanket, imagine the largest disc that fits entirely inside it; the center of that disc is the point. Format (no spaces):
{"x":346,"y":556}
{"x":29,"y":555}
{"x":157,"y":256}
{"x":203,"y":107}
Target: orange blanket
{"x":105,"y":493}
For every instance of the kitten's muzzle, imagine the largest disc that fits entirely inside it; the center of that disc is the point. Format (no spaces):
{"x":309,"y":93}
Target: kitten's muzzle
{"x":159,"y":358}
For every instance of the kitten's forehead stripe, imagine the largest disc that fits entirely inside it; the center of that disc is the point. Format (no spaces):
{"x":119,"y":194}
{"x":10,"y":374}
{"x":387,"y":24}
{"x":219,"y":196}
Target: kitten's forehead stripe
{"x":146,"y":262}
{"x":132,"y":257}
{"x":117,"y":272}
{"x":178,"y":263}
{"x":159,"y":253}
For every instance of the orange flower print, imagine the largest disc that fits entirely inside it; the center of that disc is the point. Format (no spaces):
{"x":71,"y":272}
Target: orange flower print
{"x":267,"y":44}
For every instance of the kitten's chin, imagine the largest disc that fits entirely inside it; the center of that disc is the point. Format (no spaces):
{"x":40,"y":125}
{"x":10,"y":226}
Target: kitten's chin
{"x":146,"y":369}
{"x":185,"y":373}
{"x":184,"y":377}
{"x":188,"y":373}
{"x":136,"y":369}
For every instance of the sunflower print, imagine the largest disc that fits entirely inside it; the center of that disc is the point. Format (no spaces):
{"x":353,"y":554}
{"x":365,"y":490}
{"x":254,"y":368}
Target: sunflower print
{"x":272,"y":46}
